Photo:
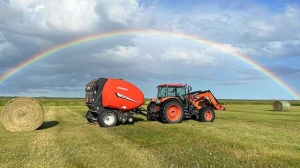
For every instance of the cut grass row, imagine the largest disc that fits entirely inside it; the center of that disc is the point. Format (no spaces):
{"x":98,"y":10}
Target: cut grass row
{"x":242,"y":136}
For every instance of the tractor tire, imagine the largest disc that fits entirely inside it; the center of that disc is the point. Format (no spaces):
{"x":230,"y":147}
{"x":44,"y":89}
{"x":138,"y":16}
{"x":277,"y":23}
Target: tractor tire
{"x":107,"y":118}
{"x":172,"y":112}
{"x":206,"y":114}
{"x":150,"y":116}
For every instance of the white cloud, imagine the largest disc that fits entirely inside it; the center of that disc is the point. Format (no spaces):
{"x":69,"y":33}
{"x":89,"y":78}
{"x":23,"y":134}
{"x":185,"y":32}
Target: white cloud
{"x":282,"y":48}
{"x":2,"y":38}
{"x":251,"y":30}
{"x":261,"y":28}
{"x":123,"y":12}
{"x":66,"y":15}
{"x":122,"y":52}
{"x":3,"y":46}
{"x":188,"y":57}
{"x":6,"y":49}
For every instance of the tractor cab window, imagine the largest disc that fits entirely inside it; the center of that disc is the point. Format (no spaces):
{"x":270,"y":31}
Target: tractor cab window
{"x":170,"y":91}
{"x":181,"y":91}
{"x":161,"y":92}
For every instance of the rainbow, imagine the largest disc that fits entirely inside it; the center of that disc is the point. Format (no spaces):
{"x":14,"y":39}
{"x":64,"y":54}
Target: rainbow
{"x":240,"y":56}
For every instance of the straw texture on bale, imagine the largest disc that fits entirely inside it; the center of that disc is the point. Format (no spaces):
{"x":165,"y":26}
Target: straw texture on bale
{"x":22,"y":114}
{"x":281,"y":106}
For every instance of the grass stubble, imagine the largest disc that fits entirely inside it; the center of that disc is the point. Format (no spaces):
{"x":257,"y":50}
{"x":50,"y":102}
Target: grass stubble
{"x":242,"y":136}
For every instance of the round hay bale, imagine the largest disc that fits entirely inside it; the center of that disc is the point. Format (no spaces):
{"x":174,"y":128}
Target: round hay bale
{"x":22,"y":114}
{"x":281,"y":106}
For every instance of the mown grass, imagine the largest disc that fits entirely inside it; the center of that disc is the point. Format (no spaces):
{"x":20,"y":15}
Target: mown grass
{"x":242,"y":136}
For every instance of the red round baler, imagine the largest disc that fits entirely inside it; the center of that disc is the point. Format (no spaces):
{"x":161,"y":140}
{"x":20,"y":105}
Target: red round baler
{"x":112,"y":101}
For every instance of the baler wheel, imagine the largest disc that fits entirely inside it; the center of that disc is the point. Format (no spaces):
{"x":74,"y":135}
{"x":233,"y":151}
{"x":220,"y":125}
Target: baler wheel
{"x":172,"y":112}
{"x":107,"y":118}
{"x":206,"y":114}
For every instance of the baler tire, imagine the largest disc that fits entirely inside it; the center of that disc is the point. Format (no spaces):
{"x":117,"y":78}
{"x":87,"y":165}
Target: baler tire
{"x":172,"y":112}
{"x":206,"y":114}
{"x":107,"y":118}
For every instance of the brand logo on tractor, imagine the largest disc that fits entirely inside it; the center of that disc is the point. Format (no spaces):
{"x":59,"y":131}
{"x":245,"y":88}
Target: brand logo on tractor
{"x":121,"y":88}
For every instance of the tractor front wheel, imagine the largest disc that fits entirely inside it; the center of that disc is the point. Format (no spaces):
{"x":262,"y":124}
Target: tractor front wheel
{"x":172,"y":112}
{"x":207,"y":114}
{"x":107,"y":118}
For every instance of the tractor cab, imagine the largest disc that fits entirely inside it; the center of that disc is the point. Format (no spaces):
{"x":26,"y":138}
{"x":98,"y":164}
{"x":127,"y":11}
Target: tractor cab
{"x":179,"y":91}
{"x":171,"y":90}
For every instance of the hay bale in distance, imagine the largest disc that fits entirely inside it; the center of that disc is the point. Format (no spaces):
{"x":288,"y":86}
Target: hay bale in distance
{"x":281,"y":106}
{"x":22,"y":114}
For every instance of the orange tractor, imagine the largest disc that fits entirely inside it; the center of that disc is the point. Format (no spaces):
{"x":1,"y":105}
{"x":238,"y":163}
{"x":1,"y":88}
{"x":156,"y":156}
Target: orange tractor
{"x":114,"y":101}
{"x":175,"y":102}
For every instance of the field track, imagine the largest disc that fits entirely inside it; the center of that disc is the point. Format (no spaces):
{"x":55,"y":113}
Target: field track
{"x":243,"y":136}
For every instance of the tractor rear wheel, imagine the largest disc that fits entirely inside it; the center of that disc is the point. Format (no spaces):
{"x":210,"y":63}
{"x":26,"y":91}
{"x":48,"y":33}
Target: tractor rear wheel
{"x":107,"y":118}
{"x":150,"y":116}
{"x":207,"y":114}
{"x":172,"y":112}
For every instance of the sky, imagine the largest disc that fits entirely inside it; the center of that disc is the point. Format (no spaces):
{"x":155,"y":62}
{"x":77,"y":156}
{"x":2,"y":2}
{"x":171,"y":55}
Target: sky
{"x":238,"y":49}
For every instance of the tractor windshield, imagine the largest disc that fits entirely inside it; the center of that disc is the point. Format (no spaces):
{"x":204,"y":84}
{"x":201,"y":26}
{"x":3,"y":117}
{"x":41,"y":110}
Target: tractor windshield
{"x":170,"y":91}
{"x":161,"y":91}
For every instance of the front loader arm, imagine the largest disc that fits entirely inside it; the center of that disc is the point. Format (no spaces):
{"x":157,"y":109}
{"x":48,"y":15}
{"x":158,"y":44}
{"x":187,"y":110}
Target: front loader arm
{"x":209,"y":98}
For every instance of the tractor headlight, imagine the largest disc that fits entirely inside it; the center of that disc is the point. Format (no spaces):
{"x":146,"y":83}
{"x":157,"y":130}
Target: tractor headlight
{"x":157,"y":101}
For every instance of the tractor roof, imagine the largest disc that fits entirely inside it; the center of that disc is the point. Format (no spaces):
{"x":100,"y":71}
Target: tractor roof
{"x":177,"y":84}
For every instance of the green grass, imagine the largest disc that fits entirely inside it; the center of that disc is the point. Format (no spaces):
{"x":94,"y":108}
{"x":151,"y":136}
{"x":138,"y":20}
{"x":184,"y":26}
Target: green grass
{"x":242,"y":136}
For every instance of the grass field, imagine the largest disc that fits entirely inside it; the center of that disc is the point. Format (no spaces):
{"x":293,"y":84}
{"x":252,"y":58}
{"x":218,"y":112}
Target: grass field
{"x":246,"y":135}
